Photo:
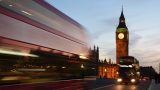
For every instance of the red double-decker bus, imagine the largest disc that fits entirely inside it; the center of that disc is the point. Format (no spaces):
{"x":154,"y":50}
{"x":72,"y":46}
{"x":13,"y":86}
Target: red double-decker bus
{"x":39,"y":43}
{"x":128,"y":70}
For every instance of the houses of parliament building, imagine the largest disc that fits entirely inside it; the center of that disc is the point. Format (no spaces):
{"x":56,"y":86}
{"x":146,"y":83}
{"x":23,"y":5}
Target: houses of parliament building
{"x":106,"y":68}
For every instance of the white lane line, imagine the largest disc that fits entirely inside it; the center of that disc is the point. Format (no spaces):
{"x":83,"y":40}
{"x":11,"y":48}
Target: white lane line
{"x":103,"y":87}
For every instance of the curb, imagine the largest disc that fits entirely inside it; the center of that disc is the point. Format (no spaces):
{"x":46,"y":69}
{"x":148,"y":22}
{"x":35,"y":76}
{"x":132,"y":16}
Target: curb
{"x":149,"y":86}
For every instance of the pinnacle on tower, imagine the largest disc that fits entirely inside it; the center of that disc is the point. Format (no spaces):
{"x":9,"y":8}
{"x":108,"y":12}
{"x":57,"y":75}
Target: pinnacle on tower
{"x":94,"y":47}
{"x":122,"y":20}
{"x":122,"y":16}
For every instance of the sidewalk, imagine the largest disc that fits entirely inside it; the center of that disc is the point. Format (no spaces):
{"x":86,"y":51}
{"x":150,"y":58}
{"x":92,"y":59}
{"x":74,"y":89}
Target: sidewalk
{"x":154,"y":86}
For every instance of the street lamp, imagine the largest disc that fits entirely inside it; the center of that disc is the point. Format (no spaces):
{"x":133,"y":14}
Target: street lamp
{"x":82,"y":72}
{"x":105,"y":73}
{"x":82,"y":66}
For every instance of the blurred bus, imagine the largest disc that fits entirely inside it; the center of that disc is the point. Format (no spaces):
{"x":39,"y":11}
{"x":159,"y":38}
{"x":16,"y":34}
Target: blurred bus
{"x":40,"y":43}
{"x":128,"y":70}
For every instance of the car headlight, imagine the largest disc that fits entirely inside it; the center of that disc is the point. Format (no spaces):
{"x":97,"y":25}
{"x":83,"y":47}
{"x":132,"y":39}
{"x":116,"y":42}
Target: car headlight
{"x":119,"y":79}
{"x":133,"y":80}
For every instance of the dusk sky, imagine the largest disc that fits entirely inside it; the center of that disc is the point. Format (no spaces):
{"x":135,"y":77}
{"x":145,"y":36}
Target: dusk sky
{"x":101,"y":17}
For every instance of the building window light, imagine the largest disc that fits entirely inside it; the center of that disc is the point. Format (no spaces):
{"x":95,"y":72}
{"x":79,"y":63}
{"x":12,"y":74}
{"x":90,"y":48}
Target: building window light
{"x":26,"y":12}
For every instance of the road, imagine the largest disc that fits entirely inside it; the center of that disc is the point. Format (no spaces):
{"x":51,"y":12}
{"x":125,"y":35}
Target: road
{"x":78,"y":84}
{"x":111,"y":84}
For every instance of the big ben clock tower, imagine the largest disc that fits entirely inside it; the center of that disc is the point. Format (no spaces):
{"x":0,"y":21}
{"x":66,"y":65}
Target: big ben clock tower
{"x":122,"y":38}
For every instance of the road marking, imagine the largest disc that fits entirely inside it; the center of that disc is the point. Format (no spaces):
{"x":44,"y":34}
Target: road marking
{"x":103,"y":87}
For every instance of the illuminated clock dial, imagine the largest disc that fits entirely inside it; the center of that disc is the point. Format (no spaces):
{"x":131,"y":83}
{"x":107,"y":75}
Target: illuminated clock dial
{"x":120,"y":35}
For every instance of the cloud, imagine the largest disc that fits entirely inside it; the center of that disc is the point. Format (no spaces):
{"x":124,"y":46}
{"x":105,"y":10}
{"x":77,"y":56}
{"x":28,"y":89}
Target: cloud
{"x":107,"y":50}
{"x":110,"y":22}
{"x":133,"y":39}
{"x":105,"y":26}
{"x":147,"y":56}
{"x":99,"y":33}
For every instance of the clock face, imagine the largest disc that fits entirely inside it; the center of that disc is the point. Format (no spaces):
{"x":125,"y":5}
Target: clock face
{"x":120,"y":35}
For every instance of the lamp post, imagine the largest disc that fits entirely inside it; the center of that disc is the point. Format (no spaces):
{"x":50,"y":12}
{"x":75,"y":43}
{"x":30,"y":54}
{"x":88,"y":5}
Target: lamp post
{"x":82,"y":72}
{"x":105,"y":73}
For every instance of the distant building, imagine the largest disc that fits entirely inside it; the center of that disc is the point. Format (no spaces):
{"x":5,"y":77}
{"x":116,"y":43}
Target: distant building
{"x":94,"y":58}
{"x":94,"y":54}
{"x":147,"y":72}
{"x":107,"y":69}
{"x":103,"y":68}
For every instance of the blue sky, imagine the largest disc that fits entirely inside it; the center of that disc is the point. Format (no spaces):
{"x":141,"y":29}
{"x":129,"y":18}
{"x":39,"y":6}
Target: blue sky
{"x":101,"y":18}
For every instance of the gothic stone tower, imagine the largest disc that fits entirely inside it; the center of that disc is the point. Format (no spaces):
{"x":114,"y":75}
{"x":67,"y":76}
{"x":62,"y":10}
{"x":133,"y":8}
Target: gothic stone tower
{"x":122,"y":38}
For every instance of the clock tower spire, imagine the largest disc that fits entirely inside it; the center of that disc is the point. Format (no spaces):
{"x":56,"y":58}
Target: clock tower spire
{"x":122,"y":23}
{"x":122,"y":38}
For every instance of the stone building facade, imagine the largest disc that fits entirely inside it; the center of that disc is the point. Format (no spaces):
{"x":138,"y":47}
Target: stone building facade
{"x":107,"y":69}
{"x":103,"y":68}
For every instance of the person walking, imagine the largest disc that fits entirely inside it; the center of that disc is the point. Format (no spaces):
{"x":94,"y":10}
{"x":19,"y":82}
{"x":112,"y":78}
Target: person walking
{"x":100,"y":76}
{"x":159,"y":78}
{"x":156,"y":77}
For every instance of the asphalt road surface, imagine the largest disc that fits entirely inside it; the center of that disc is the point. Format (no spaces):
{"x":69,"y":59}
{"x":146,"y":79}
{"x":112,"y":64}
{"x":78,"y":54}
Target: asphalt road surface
{"x":111,"y":84}
{"x":78,"y":84}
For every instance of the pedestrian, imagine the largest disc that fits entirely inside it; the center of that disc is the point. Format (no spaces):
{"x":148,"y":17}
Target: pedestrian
{"x":159,"y":78}
{"x":156,"y":77}
{"x":100,"y":76}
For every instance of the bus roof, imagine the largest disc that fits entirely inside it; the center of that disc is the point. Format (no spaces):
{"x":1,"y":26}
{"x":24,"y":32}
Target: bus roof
{"x":125,"y":57}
